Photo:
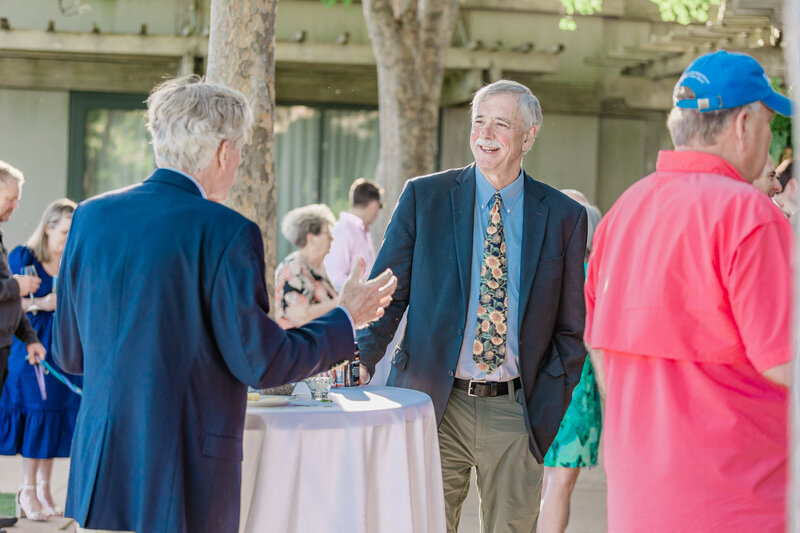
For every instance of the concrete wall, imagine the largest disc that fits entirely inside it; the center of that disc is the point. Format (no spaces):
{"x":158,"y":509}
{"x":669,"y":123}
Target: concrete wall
{"x":586,"y":142}
{"x":173,"y":17}
{"x":628,"y":151}
{"x":33,"y":138}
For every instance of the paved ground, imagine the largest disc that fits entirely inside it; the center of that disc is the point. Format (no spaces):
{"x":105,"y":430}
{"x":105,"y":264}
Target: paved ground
{"x":11,"y":477}
{"x":588,"y":503}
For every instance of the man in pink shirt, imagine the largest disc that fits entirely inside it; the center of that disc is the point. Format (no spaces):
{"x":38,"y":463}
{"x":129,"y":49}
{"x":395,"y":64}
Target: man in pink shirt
{"x":688,"y":312}
{"x":351,"y":238}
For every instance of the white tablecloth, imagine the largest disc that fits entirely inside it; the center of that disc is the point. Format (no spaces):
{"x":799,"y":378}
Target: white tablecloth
{"x":367,"y":462}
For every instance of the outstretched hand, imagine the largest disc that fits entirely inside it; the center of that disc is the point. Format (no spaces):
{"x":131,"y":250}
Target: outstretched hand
{"x":366,"y":300}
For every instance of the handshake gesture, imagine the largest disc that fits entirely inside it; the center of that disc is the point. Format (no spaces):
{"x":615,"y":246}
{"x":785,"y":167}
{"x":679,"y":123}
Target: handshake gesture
{"x":366,"y":300}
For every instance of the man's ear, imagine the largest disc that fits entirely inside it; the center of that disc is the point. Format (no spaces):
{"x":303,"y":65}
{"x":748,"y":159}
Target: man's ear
{"x":742,"y":129}
{"x":224,"y":154}
{"x":530,"y":136}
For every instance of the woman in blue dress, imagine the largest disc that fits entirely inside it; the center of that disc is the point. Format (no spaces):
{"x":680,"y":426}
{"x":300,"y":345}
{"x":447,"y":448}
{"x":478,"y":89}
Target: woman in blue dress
{"x":38,"y":429}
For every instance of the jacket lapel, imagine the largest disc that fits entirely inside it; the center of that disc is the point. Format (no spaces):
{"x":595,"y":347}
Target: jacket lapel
{"x":462,"y":201}
{"x":533,"y":228}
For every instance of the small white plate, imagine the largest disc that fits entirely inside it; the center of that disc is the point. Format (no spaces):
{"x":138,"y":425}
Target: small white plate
{"x":271,"y":401}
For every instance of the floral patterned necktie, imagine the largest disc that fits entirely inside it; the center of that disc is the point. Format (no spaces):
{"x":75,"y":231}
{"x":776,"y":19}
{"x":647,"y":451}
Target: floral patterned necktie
{"x":489,"y":349}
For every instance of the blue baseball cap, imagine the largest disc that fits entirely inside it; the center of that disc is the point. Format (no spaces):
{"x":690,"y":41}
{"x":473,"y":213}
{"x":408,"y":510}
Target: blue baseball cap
{"x":722,"y":80}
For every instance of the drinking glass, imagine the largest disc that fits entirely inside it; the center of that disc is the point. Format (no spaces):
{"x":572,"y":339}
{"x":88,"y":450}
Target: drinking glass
{"x":319,"y":386}
{"x":30,"y":270}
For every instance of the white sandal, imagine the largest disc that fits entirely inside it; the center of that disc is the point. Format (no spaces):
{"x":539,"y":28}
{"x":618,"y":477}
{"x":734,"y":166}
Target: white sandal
{"x":51,"y":510}
{"x":22,"y":512}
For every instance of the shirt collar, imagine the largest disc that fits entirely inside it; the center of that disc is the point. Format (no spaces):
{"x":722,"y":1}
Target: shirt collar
{"x":696,"y":163}
{"x":190,"y":178}
{"x":510,"y":194}
{"x":353,"y":219}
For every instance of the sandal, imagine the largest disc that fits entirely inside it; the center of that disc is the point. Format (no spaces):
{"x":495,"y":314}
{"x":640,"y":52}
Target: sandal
{"x":48,"y":505}
{"x":23,"y":509}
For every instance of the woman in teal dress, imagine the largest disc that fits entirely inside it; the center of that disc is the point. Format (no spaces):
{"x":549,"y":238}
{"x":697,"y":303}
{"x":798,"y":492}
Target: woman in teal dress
{"x":578,"y":438}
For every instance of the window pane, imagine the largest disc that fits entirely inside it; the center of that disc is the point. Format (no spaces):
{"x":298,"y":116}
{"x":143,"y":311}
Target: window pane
{"x":296,"y":162}
{"x":117,"y":150}
{"x":350,"y":151}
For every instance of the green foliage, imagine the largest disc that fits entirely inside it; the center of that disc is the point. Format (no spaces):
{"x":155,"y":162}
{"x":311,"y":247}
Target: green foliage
{"x":329,"y":3}
{"x":582,"y":7}
{"x":7,"y":504}
{"x":680,"y":11}
{"x":683,"y":11}
{"x":781,"y":127}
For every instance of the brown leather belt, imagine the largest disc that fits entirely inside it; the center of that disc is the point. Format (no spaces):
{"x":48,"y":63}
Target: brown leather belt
{"x":484,"y":389}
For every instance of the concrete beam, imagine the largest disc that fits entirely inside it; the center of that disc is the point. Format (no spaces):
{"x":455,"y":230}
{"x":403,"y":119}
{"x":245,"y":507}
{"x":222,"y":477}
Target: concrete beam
{"x":459,"y":87}
{"x":68,"y":43}
{"x":38,"y":43}
{"x":639,"y":92}
{"x":82,"y":75}
{"x":671,"y":67}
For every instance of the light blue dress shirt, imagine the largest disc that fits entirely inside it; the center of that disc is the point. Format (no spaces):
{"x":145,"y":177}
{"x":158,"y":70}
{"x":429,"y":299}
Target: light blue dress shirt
{"x":512,"y":214}
{"x":191,"y":178}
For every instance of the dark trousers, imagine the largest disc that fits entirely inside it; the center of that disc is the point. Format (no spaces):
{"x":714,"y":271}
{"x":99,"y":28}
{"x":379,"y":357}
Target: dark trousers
{"x":4,"y":353}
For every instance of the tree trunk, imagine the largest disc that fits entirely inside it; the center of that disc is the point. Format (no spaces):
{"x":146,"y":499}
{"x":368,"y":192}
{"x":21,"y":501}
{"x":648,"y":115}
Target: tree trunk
{"x":241,"y":55}
{"x":409,"y":38}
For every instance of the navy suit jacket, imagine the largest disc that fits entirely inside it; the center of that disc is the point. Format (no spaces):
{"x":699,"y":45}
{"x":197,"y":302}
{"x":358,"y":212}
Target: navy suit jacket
{"x":428,"y":245}
{"x":162,"y":305}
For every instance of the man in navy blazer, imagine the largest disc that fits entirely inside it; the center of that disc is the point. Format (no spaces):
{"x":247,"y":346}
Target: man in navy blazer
{"x":163,"y":308}
{"x":500,"y":377}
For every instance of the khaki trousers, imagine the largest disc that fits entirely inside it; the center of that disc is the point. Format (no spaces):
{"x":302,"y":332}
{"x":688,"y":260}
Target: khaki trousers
{"x":490,"y":434}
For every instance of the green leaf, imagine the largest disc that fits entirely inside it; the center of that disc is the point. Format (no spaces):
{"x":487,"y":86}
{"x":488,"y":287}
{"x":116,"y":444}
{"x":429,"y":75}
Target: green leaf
{"x":567,"y":24}
{"x":681,"y":11}
{"x":781,"y":127}
{"x":685,"y":11}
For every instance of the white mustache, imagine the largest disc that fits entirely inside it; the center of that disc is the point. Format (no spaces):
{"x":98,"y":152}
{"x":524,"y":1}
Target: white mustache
{"x":486,"y":143}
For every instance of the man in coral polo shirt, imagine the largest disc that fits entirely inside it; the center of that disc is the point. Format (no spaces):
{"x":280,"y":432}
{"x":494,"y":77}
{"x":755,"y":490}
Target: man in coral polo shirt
{"x":688,"y":313}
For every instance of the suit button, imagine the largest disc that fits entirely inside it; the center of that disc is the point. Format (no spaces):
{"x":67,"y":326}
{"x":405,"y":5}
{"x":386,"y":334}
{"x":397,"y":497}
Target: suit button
{"x":461,"y":333}
{"x":451,"y":373}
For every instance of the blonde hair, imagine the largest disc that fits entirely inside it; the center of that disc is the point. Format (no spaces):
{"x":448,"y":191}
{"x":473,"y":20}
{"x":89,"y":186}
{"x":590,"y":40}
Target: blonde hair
{"x":188,"y":118}
{"x":298,"y":223}
{"x":10,"y":173}
{"x":53,"y":215}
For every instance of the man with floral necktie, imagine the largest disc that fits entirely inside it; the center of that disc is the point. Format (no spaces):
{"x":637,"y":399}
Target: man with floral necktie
{"x":490,"y":267}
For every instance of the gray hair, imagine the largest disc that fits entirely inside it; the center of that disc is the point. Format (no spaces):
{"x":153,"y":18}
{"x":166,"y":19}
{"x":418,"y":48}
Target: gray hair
{"x":188,"y":118}
{"x":299,"y":222}
{"x":593,"y":215}
{"x":529,"y":106}
{"x":53,"y":215}
{"x":690,"y":126}
{"x":10,"y":173}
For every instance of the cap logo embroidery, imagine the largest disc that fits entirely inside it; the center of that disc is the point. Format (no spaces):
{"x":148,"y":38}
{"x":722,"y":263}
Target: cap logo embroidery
{"x":699,"y":76}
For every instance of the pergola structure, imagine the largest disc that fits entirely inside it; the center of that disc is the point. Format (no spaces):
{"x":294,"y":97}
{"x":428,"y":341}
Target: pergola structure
{"x":604,"y":88}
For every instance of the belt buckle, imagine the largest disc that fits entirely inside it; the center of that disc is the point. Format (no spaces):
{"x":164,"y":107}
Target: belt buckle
{"x":471,"y":385}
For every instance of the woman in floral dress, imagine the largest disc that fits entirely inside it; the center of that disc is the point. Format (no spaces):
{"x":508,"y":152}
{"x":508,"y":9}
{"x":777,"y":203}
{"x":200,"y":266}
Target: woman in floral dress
{"x":303,"y":291}
{"x":578,"y":438}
